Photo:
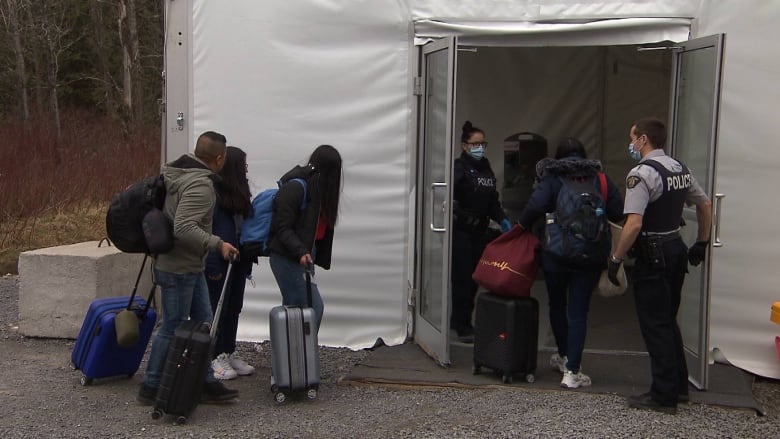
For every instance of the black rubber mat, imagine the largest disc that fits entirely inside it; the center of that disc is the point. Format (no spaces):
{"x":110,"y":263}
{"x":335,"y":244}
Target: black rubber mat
{"x":611,"y":372}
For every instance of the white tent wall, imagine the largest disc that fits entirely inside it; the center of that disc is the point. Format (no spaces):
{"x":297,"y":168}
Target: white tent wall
{"x":280,"y":78}
{"x":744,"y":270}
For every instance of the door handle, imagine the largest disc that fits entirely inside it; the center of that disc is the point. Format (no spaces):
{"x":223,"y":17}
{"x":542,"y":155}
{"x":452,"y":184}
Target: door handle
{"x":716,"y":242}
{"x":433,"y":216}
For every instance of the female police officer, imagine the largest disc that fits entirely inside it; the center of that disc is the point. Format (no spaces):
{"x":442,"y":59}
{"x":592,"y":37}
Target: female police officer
{"x":475,"y":203}
{"x":656,"y":190}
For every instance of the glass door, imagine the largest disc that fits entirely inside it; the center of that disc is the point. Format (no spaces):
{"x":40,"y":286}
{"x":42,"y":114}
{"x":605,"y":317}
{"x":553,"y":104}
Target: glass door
{"x":693,"y":140}
{"x":434,"y":197}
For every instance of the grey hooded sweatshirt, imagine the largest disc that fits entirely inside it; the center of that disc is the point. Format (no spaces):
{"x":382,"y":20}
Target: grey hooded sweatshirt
{"x":189,"y":204}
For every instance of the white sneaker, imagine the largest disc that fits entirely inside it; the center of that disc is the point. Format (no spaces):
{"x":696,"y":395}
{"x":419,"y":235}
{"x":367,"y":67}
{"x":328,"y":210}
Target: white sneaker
{"x":222,"y":368}
{"x":558,"y":363}
{"x":573,"y":380}
{"x":240,"y":366}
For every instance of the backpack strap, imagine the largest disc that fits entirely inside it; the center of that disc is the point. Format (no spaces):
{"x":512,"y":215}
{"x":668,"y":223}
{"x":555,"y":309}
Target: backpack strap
{"x":603,"y":185}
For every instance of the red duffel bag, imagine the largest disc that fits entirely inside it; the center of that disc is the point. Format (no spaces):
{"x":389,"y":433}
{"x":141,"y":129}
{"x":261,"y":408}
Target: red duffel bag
{"x":509,"y":264}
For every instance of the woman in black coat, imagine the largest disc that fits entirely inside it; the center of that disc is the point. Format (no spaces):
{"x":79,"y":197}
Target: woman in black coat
{"x":303,"y":222}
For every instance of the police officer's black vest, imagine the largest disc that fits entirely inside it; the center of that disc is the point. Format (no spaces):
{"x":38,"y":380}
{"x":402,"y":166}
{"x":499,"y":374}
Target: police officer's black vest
{"x":665,"y":213}
{"x":476,"y":192}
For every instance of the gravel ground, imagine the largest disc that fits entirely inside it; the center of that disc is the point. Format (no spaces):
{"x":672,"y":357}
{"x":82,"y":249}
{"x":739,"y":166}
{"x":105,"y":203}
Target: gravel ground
{"x":40,"y":396}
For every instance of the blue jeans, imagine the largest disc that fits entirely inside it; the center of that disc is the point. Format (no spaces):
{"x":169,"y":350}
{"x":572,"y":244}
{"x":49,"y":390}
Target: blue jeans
{"x":291,"y":278}
{"x":183,"y":296}
{"x":569,"y":293}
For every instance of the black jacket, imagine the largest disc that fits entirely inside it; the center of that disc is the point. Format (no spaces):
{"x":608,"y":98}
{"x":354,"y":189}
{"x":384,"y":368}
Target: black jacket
{"x":475,"y":190}
{"x":293,"y":230}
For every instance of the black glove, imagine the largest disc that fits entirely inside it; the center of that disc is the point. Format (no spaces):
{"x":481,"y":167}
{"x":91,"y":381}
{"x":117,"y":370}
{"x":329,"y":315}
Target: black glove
{"x":697,"y":252}
{"x":612,"y":271}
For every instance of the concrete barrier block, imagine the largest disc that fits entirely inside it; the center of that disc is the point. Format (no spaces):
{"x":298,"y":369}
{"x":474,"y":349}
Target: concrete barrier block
{"x":57,"y":284}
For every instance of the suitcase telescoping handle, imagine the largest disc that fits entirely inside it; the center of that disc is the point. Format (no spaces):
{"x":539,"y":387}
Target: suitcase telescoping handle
{"x":135,"y":290}
{"x":218,"y":311}
{"x":309,"y":270}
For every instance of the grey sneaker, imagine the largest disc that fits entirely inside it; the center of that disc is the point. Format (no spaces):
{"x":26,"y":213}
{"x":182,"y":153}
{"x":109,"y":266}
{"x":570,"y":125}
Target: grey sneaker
{"x":558,"y":363}
{"x":573,"y":380}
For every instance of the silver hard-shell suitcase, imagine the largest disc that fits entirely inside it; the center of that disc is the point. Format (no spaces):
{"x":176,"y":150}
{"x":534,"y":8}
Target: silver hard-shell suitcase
{"x":295,"y":359}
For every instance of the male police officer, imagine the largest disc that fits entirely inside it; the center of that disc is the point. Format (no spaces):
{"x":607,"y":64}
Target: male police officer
{"x":656,"y":190}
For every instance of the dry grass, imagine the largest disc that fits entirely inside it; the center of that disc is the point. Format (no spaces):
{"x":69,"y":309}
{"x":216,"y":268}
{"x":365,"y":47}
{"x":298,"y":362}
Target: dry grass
{"x":49,"y":230}
{"x":56,"y":191}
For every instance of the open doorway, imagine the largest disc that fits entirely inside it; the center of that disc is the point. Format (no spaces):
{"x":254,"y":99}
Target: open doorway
{"x":590,"y":93}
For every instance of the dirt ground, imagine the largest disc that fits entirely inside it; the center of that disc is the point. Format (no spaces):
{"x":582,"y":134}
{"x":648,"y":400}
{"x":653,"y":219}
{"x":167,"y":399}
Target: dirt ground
{"x":40,"y":396}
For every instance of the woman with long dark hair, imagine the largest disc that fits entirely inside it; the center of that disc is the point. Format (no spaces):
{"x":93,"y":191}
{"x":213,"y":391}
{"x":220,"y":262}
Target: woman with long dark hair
{"x":305,"y":213}
{"x":233,"y":205}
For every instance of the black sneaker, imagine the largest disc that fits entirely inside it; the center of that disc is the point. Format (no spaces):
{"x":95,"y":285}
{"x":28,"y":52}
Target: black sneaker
{"x":216,"y":392}
{"x":646,"y":402}
{"x":146,"y":395}
{"x":683,"y":398}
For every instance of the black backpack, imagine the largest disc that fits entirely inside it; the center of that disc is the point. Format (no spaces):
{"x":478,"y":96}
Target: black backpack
{"x":577,"y":233}
{"x":135,"y":222}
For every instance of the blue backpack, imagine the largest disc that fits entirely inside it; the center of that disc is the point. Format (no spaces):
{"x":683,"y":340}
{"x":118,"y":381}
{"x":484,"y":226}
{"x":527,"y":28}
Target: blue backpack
{"x":577,"y":233}
{"x":255,"y":229}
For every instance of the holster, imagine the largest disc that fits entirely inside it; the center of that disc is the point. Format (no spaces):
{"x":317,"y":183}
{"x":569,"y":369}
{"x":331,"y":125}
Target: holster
{"x":649,"y":249}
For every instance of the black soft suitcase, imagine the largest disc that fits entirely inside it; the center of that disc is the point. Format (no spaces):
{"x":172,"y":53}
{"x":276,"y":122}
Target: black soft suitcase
{"x":506,"y":332}
{"x":186,"y":365}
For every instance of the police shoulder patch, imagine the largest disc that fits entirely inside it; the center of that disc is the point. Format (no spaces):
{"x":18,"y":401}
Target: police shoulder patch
{"x":632,"y":181}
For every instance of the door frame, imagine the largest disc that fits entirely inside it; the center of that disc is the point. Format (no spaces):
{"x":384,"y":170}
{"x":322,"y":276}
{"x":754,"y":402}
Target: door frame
{"x":433,"y":337}
{"x":699,"y":356}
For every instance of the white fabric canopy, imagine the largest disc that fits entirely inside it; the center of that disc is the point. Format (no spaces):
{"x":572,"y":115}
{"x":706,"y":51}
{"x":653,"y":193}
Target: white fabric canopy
{"x":280,"y":78}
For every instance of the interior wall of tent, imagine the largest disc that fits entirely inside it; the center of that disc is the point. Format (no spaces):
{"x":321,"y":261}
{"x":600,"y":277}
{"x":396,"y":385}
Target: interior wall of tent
{"x":593,"y":94}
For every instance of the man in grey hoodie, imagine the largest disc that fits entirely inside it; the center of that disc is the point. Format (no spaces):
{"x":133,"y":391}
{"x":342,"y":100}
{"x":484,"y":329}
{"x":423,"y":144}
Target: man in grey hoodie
{"x":189,"y":204}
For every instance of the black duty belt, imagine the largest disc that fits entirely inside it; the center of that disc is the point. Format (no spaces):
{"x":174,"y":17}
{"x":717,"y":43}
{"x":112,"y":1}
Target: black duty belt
{"x":662,"y":237}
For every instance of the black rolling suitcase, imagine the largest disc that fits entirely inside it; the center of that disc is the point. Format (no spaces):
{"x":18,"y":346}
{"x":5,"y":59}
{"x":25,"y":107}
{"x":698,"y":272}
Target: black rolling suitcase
{"x":506,"y":333}
{"x":295,"y":356}
{"x":186,"y":365}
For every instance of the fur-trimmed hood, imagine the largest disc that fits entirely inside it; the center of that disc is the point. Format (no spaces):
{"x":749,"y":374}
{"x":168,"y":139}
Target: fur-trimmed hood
{"x":567,"y":166}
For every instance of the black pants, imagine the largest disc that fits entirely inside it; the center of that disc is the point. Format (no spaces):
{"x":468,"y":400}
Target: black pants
{"x":467,"y":248}
{"x":657,"y":294}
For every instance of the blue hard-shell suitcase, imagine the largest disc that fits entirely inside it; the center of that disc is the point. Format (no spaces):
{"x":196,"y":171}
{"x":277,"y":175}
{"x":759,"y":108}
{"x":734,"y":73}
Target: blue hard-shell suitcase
{"x":96,"y":352}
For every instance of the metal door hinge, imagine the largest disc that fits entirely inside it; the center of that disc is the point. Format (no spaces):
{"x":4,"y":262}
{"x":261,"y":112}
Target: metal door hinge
{"x":417,"y":86}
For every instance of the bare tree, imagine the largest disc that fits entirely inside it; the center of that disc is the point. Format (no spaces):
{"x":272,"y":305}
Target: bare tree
{"x":10,"y":17}
{"x":102,"y":48}
{"x":131,"y":67}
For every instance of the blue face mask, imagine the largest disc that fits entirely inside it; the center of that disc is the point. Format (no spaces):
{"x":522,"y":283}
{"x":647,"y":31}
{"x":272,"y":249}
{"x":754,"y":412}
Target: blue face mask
{"x":477,"y":152}
{"x":633,"y":152}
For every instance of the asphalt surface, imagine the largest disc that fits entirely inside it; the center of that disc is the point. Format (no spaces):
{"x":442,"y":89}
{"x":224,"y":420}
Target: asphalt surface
{"x":40,"y":396}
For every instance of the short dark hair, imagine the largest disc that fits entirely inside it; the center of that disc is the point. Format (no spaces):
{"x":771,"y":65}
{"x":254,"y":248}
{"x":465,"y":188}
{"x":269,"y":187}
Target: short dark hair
{"x":654,"y":129}
{"x":210,"y":145}
{"x":570,"y":147}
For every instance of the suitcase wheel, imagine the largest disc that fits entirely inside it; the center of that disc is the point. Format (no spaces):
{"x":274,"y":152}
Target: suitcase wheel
{"x":476,"y":369}
{"x":506,"y":379}
{"x":180,"y":420}
{"x":157,"y":414}
{"x":280,"y":397}
{"x":530,"y":378}
{"x":85,"y":381}
{"x":311,"y":393}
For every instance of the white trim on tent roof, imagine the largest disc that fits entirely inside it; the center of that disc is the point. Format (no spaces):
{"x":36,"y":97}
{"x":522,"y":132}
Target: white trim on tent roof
{"x":532,"y":33}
